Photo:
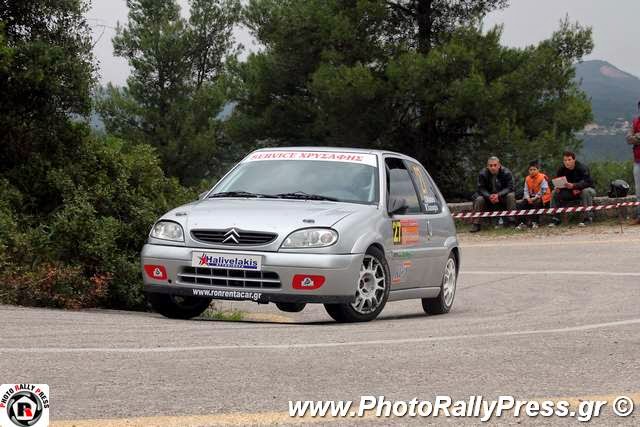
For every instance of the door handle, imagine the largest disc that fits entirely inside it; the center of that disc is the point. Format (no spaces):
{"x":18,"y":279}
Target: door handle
{"x":429,"y":229}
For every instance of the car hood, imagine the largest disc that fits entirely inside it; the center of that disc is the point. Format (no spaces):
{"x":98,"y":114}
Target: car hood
{"x":279,"y":216}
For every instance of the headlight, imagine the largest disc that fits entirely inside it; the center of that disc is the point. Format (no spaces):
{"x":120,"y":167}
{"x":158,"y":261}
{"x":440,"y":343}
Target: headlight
{"x":311,"y":238}
{"x":168,"y":230}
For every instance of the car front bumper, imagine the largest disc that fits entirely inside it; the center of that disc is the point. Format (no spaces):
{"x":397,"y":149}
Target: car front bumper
{"x":340,"y":273}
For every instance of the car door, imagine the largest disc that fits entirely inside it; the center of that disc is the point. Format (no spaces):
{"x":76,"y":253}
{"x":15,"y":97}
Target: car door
{"x":437,"y":224}
{"x":408,"y":228}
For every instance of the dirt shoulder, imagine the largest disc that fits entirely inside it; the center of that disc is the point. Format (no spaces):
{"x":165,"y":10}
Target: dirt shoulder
{"x":608,"y":230}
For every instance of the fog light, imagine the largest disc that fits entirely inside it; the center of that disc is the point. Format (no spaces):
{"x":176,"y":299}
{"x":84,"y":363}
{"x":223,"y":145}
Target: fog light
{"x":156,"y":272}
{"x":307,"y":282}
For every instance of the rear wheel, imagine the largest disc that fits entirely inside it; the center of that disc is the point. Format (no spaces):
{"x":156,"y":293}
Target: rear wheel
{"x":291,"y":307}
{"x":178,"y":307}
{"x":371,"y":294}
{"x":444,"y":301}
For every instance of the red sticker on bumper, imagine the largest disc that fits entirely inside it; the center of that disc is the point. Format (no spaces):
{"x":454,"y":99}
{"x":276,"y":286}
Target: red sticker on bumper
{"x":307,"y":282}
{"x":156,"y":272}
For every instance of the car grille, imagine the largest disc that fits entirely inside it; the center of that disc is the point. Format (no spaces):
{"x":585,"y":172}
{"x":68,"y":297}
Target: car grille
{"x":229,"y":278}
{"x":233,"y":237}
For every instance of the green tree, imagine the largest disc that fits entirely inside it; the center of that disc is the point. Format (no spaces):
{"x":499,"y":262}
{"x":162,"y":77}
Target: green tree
{"x":75,"y":209}
{"x":427,"y":81}
{"x":177,"y":85}
{"x":423,"y":24}
{"x":46,"y":75}
{"x":86,"y":252}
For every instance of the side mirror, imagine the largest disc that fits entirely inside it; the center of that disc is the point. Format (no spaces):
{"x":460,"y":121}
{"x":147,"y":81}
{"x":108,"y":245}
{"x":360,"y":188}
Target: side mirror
{"x":397,"y":205}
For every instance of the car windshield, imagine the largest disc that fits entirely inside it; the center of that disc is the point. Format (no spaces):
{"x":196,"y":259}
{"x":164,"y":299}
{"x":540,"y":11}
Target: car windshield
{"x":302,"y":179}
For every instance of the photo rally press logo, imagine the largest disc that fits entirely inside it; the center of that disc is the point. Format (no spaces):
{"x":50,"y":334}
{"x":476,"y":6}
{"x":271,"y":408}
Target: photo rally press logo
{"x":24,"y":405}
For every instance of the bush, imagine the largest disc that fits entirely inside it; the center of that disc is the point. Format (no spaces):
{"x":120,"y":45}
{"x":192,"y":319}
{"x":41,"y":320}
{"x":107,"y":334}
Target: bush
{"x":53,"y":285}
{"x":85,"y":252}
{"x":606,"y":171}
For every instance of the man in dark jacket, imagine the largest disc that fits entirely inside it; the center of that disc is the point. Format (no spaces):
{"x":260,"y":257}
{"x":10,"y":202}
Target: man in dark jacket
{"x":495,"y":191}
{"x":579,"y":187}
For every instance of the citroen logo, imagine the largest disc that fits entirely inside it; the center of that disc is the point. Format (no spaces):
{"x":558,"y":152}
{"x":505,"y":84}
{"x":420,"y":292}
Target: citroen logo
{"x":231,"y":236}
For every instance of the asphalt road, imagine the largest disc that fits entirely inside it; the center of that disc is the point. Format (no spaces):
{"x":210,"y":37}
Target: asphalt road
{"x":542,"y":316}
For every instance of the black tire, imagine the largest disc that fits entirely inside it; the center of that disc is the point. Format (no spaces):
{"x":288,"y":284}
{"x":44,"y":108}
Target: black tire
{"x":441,"y":304}
{"x":291,"y":307}
{"x":177,"y":307}
{"x":346,"y":313}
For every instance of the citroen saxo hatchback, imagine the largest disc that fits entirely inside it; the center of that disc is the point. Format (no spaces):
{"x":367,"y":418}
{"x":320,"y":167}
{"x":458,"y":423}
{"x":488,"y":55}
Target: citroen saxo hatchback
{"x":351,"y":229}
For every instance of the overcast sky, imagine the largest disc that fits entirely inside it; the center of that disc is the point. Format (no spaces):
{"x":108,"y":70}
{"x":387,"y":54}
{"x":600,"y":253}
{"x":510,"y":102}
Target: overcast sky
{"x":616,"y":29}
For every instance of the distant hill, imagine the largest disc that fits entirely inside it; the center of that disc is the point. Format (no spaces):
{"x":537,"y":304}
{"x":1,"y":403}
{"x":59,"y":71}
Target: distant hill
{"x":614,"y":93}
{"x":605,"y":147}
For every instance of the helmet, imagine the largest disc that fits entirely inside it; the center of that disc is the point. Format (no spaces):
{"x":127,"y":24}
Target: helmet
{"x":619,"y":188}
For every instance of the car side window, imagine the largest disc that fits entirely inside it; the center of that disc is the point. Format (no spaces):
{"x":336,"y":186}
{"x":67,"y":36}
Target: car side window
{"x":400,"y":184}
{"x":428,"y":193}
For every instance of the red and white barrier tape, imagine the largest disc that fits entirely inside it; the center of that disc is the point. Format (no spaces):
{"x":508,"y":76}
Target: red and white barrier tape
{"x":525,"y":212}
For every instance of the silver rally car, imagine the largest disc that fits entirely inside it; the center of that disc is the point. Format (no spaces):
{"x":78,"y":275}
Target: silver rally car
{"x":351,"y":229}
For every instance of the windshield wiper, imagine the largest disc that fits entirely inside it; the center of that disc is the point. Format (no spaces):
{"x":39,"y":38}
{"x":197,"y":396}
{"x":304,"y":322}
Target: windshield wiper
{"x":305,"y":196}
{"x":240,"y":194}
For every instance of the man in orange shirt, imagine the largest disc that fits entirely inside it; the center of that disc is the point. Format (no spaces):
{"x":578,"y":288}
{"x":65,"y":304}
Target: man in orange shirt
{"x":537,"y":194}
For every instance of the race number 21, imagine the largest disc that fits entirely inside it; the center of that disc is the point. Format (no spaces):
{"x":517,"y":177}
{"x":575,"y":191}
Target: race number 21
{"x":397,"y":232}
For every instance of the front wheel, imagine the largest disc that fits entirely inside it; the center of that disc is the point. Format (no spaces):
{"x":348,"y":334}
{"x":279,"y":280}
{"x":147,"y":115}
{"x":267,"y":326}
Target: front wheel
{"x":372,"y":292}
{"x":178,"y":307}
{"x":291,"y":307}
{"x":444,"y":301}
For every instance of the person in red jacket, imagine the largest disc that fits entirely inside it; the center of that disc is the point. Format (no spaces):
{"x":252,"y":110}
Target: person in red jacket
{"x":633,"y":138}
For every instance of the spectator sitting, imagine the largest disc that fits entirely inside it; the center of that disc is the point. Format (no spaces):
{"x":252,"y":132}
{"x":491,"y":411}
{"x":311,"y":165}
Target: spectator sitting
{"x":537,"y":194}
{"x":579,"y":187}
{"x":495,"y":191}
